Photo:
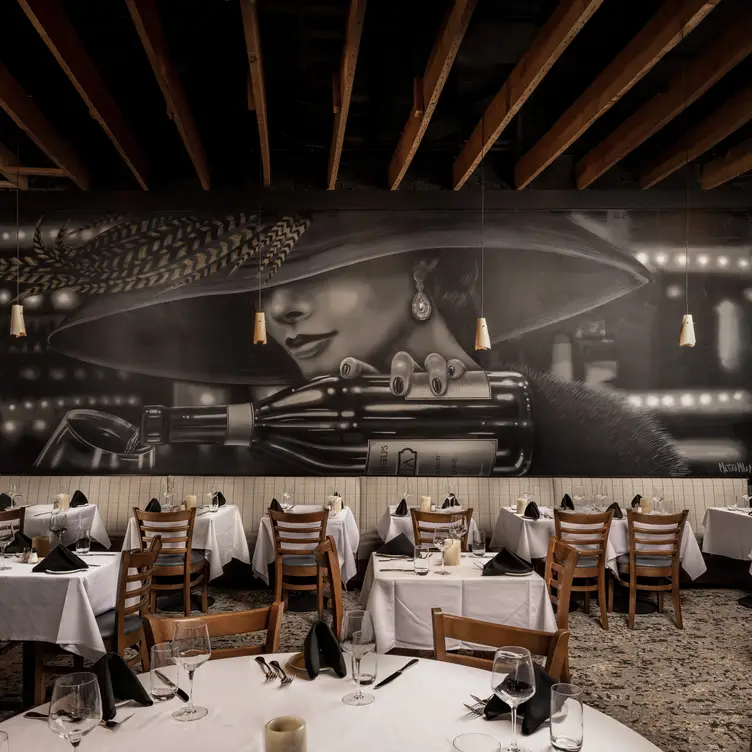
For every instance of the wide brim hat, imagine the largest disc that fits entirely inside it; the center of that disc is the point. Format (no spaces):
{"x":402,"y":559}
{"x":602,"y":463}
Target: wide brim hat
{"x":539,"y":268}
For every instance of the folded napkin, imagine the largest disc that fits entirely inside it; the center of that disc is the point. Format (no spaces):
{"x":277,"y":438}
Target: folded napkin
{"x":19,"y":543}
{"x":275,"y":506}
{"x":506,"y":562}
{"x":636,"y":501}
{"x":617,"y":511}
{"x":78,"y":500}
{"x":321,"y":649}
{"x":117,"y":682}
{"x":5,"y":501}
{"x":566,"y":502}
{"x":154,"y":506}
{"x":535,"y":711}
{"x":60,"y":559}
{"x":532,"y":511}
{"x":450,"y":501}
{"x":401,"y":510}
{"x":220,"y":497}
{"x":401,"y":545}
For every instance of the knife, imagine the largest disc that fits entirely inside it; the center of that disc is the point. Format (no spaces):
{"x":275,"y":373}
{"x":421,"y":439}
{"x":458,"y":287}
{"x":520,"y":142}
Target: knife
{"x":182,"y":694}
{"x":393,"y":676}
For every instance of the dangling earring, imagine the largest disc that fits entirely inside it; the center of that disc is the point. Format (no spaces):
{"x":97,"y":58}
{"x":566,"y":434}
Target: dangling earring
{"x":421,"y":306}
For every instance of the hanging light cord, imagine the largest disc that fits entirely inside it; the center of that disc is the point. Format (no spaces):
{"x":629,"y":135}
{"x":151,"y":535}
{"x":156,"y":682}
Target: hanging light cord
{"x":18,"y":243}
{"x":261,"y":230}
{"x":482,"y":223}
{"x":686,"y":190}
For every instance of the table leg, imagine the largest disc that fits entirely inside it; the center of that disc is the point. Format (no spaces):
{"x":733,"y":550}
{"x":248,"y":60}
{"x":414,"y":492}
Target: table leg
{"x":28,"y":692}
{"x":174,"y":602}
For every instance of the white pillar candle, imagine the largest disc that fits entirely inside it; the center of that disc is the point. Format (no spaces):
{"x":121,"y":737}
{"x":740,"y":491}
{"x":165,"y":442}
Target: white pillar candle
{"x":647,"y":506}
{"x":191,"y":502}
{"x":425,"y":504}
{"x":63,"y":501}
{"x":285,"y":734}
{"x":452,"y":553}
{"x":521,"y":504}
{"x":336,"y":504}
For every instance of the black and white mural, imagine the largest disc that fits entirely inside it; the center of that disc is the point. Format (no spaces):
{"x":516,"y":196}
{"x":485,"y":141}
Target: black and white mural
{"x":140,"y":357}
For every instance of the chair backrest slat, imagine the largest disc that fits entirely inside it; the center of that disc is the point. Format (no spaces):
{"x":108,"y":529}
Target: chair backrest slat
{"x":588,"y":533}
{"x":561,"y":563}
{"x":656,"y":536}
{"x":328,"y":560}
{"x":175,"y":529}
{"x":298,"y":533}
{"x":16,"y":517}
{"x":426,"y":523}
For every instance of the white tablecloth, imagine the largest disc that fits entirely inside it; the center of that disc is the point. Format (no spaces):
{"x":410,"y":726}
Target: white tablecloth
{"x":218,"y":533}
{"x":341,"y":526}
{"x":727,"y":533}
{"x":389,"y":526}
{"x":529,"y":538}
{"x":421,"y":711}
{"x":400,"y":602}
{"x":82,"y":518}
{"x":59,"y":609}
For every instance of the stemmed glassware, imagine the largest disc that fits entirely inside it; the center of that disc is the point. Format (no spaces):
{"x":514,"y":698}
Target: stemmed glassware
{"x":458,"y":526}
{"x":358,"y":639}
{"x":442,"y":538}
{"x":16,"y":499}
{"x":76,"y":707}
{"x":6,"y":536}
{"x":191,"y":648}
{"x":168,"y":491}
{"x":578,"y":497}
{"x":513,"y":682}
{"x":58,"y":525}
{"x":287,"y":500}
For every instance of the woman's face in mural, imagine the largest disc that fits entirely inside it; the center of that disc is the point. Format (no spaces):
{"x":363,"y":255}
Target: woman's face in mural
{"x":353,"y":311}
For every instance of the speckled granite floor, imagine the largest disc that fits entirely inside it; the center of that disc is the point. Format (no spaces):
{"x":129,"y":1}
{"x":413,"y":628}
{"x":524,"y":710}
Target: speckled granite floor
{"x":685,"y":690}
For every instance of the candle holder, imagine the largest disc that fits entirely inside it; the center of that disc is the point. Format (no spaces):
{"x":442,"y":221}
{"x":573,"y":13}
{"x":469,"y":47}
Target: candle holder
{"x":285,"y":734}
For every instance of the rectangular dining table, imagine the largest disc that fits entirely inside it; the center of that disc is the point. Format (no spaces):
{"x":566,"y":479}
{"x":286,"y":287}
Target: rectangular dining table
{"x":80,"y":519}
{"x":728,"y":532}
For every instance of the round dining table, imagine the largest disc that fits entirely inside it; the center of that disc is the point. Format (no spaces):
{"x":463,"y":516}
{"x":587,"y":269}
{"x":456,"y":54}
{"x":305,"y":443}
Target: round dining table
{"x":420,"y":711}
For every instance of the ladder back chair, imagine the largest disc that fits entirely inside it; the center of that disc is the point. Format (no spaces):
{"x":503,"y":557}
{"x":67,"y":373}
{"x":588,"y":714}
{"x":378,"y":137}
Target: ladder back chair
{"x":15,"y":517}
{"x":296,"y":537}
{"x":178,"y":566}
{"x":329,"y":574}
{"x":551,"y":645}
{"x":425,"y":524}
{"x":588,"y":533}
{"x":269,"y":619}
{"x":654,"y":554}
{"x":561,"y":563}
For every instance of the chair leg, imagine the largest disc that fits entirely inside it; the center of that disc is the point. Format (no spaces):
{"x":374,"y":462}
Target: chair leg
{"x":143,"y":650}
{"x":39,"y":686}
{"x":587,"y":603}
{"x":78,"y":663}
{"x":565,"y":675}
{"x":153,"y":602}
{"x":677,"y":603}
{"x":660,"y":601}
{"x":602,"y":598}
{"x":278,"y":587}
{"x":632,"y":605}
{"x":205,"y":590}
{"x":320,"y":594}
{"x":187,"y":597}
{"x":611,"y":586}
{"x":285,"y":598}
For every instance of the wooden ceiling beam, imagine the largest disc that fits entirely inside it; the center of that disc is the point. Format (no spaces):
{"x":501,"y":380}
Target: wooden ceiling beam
{"x":27,"y":116}
{"x":734,"y":163}
{"x":673,"y":21}
{"x":353,"y":30}
{"x":10,"y":169}
{"x":57,"y":32}
{"x":686,"y":87}
{"x":42,"y":172}
{"x":561,"y":28}
{"x":149,"y":28}
{"x":427,"y":90}
{"x":729,"y":117}
{"x":257,"y":91}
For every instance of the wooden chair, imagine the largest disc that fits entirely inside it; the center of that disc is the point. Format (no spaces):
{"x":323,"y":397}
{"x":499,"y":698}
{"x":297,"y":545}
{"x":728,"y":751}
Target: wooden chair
{"x":15,"y":516}
{"x":327,"y":561}
{"x":561,"y":563}
{"x":654,"y":553}
{"x":121,"y":627}
{"x":552,"y":645}
{"x":296,"y":536}
{"x":588,"y":533}
{"x":162,"y":629}
{"x":425,"y":524}
{"x":179,"y":566}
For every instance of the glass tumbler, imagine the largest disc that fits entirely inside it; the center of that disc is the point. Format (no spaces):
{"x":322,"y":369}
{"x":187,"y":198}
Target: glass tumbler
{"x":479,"y":543}
{"x":83,"y":544}
{"x":421,"y":558}
{"x":566,"y":718}
{"x":163,"y":672}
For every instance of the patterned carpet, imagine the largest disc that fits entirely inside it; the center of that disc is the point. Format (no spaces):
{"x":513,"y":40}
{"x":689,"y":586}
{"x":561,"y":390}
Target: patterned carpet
{"x":684,"y":690}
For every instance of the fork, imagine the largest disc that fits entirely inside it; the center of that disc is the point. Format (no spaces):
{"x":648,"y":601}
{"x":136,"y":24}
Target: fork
{"x":284,"y":678}
{"x":268,"y":673}
{"x":473,"y":710}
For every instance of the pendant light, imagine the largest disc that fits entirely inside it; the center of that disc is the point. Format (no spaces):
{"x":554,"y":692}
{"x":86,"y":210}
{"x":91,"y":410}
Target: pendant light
{"x":482,"y":339}
{"x":17,"y":325}
{"x":259,"y":324}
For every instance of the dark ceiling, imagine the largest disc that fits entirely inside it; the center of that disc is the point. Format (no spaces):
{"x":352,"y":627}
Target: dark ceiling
{"x":302,"y":42}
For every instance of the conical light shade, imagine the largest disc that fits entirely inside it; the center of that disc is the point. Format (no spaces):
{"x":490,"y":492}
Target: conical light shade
{"x":687,"y":334}
{"x":482,"y":340}
{"x":17,"y":325}
{"x":259,"y":329}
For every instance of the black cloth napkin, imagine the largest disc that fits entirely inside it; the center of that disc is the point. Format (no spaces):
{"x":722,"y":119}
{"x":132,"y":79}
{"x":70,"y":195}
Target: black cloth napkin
{"x":532,"y":511}
{"x":321,"y":649}
{"x":450,"y":501}
{"x":401,"y":510}
{"x":117,"y":682}
{"x":276,"y":506}
{"x":79,"y":499}
{"x":19,"y":543}
{"x":60,"y":559}
{"x":535,"y":711}
{"x":5,"y":501}
{"x":220,"y":497}
{"x":566,"y":502}
{"x":617,"y":511}
{"x":401,"y":545}
{"x":506,"y":562}
{"x":636,"y":501}
{"x":154,"y":506}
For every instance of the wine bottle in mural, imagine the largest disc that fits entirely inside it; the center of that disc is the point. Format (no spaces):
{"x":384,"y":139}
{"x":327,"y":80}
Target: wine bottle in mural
{"x":482,"y":425}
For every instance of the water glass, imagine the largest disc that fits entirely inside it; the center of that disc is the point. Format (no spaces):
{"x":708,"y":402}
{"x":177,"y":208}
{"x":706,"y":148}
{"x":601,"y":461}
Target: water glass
{"x":6,"y":537}
{"x":441,"y":540}
{"x":83,"y":544}
{"x":285,"y":734}
{"x":368,"y":669}
{"x":479,"y":543}
{"x":163,"y":672}
{"x":191,"y":648}
{"x":566,"y":717}
{"x":76,"y":707}
{"x":421,"y":559}
{"x":358,"y":639}
{"x":215,"y":502}
{"x":58,"y":524}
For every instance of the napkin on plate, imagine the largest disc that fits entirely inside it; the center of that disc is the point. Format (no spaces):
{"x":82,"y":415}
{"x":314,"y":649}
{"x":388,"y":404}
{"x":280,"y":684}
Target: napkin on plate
{"x":400,"y":545}
{"x":60,"y":559}
{"x":535,"y":711}
{"x":117,"y":682}
{"x":450,"y":501}
{"x":321,"y":649}
{"x":79,"y":499}
{"x":401,"y":510}
{"x":5,"y":501}
{"x":220,"y":497}
{"x":566,"y":502}
{"x":532,"y":511}
{"x":154,"y":506}
{"x":19,"y":543}
{"x":275,"y":506}
{"x":636,"y":501}
{"x":506,"y":562}
{"x":617,"y":511}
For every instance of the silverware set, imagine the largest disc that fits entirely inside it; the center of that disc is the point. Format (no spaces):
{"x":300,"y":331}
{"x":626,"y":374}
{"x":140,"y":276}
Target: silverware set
{"x":112,"y":725}
{"x":478,"y":705}
{"x":274,"y":671}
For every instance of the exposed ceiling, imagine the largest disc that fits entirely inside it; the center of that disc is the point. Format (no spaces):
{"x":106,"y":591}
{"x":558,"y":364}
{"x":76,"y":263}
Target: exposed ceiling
{"x":596,"y":94}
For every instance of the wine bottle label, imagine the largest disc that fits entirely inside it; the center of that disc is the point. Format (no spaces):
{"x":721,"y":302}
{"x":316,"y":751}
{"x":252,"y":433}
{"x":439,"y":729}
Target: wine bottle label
{"x":431,"y":457}
{"x":472,"y":385}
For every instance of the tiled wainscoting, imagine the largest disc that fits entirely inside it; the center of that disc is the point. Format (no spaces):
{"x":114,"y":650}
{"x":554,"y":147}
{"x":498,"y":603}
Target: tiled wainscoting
{"x":368,"y":497}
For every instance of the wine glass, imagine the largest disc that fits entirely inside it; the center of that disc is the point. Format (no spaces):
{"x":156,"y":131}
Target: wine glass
{"x":76,"y":707}
{"x":287,"y":500}
{"x":442,"y":537}
{"x":168,"y":491}
{"x":578,"y":497}
{"x":191,"y":648}
{"x":458,"y":526}
{"x":6,"y":537}
{"x":15,"y":497}
{"x":513,"y":682}
{"x":358,"y":639}
{"x":58,"y":525}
